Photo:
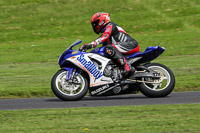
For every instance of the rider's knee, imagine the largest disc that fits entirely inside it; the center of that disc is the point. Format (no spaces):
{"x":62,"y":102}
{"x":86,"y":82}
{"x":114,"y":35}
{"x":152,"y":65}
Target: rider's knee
{"x":109,"y":50}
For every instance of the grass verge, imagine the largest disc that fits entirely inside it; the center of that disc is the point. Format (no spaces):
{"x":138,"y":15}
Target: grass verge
{"x":181,"y":118}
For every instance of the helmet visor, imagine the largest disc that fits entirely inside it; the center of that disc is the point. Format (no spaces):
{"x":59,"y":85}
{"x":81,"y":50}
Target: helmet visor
{"x":95,"y":26}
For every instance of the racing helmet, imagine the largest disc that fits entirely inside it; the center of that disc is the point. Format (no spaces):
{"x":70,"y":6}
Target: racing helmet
{"x":99,"y":21}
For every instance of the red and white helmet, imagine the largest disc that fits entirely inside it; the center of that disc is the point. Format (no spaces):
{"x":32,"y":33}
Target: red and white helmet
{"x":99,"y":21}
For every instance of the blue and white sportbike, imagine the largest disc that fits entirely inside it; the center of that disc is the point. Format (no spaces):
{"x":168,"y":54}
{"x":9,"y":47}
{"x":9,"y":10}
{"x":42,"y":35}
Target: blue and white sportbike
{"x":82,"y":72}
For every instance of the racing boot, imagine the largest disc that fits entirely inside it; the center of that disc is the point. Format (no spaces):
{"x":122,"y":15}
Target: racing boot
{"x":128,"y":70}
{"x":116,"y":56}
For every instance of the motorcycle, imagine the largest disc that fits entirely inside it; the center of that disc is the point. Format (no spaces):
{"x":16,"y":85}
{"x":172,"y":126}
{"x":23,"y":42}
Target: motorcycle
{"x":82,"y":71}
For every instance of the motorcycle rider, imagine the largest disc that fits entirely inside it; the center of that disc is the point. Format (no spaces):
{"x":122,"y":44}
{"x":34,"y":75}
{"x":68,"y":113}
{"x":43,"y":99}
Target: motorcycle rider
{"x":116,"y":41}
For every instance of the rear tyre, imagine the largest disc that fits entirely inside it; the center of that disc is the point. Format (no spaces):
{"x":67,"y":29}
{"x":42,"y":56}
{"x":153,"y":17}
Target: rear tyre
{"x":162,"y":89}
{"x":69,"y":90}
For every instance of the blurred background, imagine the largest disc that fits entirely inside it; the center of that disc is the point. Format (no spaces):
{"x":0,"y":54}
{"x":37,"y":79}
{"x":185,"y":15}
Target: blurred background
{"x":33,"y":33}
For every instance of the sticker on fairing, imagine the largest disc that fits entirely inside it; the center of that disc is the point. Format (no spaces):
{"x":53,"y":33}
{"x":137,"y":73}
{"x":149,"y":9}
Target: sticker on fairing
{"x":90,"y":67}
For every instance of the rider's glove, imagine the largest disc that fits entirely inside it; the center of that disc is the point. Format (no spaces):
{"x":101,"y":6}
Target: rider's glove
{"x":85,"y":47}
{"x":94,"y":44}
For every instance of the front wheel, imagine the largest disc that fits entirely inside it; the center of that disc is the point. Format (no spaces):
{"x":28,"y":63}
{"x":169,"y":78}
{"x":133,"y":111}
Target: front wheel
{"x":69,"y":90}
{"x":161,"y":87}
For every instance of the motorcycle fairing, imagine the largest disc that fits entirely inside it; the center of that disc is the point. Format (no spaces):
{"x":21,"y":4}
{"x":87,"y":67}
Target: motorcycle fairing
{"x":103,"y":90}
{"x":95,"y":71}
{"x":67,"y":54}
{"x":149,"y":54}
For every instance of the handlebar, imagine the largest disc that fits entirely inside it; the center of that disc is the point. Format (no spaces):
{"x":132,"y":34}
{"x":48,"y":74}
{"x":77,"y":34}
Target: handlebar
{"x":82,"y":50}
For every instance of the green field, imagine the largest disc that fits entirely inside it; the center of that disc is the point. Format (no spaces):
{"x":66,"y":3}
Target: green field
{"x":33,"y":33}
{"x":183,"y":118}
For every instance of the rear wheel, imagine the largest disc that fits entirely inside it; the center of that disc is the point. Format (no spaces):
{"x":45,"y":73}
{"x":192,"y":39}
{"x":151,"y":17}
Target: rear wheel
{"x":161,"y":87}
{"x":73,"y":89}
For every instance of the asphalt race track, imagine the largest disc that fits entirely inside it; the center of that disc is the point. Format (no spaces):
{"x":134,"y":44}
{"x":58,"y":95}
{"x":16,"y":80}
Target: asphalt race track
{"x":133,"y":99}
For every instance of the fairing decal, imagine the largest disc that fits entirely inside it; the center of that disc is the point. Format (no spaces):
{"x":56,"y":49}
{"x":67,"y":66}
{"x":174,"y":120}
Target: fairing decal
{"x":103,"y":90}
{"x":95,"y":72}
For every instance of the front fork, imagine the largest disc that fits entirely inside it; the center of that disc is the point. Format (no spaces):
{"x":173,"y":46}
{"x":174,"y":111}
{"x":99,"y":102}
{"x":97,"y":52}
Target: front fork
{"x":71,"y":72}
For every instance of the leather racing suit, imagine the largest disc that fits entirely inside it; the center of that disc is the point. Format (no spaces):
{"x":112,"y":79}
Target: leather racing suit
{"x":117,"y":43}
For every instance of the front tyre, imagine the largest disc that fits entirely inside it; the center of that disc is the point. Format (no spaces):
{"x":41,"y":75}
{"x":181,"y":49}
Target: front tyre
{"x":69,"y":90}
{"x":161,"y":87}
